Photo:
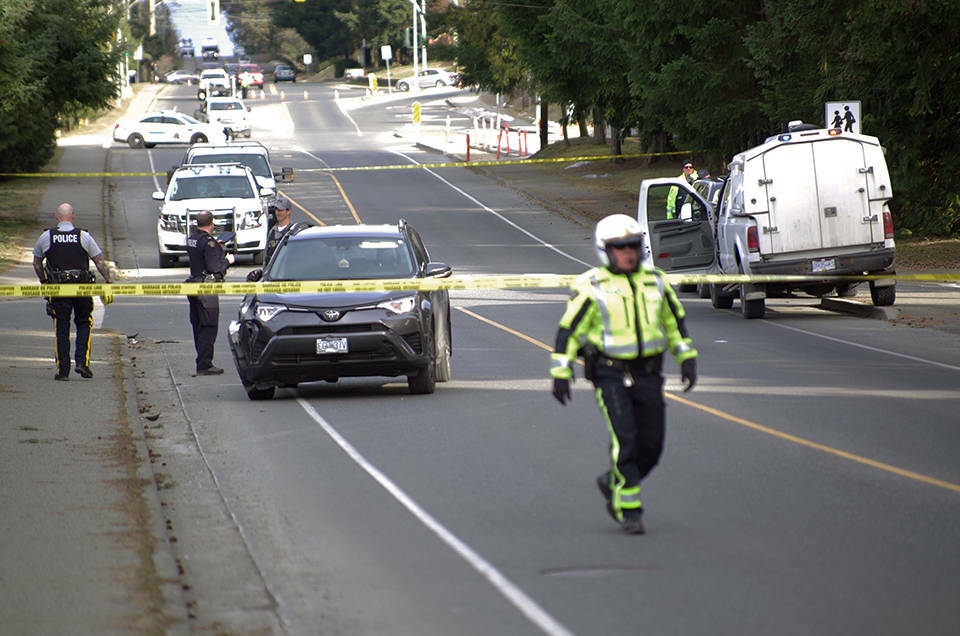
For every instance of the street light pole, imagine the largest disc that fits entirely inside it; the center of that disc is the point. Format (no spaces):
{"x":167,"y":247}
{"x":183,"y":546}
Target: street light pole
{"x":423,"y":31}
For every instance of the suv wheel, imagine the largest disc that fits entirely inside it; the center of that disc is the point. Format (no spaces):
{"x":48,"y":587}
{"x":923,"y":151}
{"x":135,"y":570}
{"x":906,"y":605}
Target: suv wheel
{"x":135,"y":140}
{"x":425,"y":381}
{"x":261,"y":394}
{"x":199,"y":138}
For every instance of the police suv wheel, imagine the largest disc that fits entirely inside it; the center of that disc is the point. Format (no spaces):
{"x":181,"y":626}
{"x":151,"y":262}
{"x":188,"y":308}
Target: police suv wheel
{"x":199,"y":138}
{"x":135,"y":140}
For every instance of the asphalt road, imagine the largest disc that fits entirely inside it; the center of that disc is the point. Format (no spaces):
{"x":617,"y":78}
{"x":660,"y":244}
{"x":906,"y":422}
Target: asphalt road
{"x":809,"y":483}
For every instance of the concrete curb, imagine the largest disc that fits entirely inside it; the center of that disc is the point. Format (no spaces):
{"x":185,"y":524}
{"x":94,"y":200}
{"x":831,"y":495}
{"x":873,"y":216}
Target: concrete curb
{"x":856,"y":308}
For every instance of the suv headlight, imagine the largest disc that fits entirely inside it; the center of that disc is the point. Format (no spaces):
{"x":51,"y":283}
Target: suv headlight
{"x":266,"y":312}
{"x":251,"y":219}
{"x":168,"y":222}
{"x":399,"y":305}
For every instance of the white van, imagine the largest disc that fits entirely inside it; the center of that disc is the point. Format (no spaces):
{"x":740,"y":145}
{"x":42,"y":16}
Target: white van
{"x":809,"y":202}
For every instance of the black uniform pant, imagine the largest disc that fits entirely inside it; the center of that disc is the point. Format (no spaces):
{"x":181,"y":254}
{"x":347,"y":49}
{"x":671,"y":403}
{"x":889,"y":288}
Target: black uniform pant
{"x":205,"y":318}
{"x":82,"y":311}
{"x":636,"y":420}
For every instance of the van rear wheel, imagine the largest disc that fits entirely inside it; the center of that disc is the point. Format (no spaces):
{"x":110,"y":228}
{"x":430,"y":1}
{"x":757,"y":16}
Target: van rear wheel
{"x":883,"y":296}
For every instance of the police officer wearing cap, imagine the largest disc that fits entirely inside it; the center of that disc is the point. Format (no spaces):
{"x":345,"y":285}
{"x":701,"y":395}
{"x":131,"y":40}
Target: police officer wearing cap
{"x":280,"y":228}
{"x":621,"y":318}
{"x":62,"y":255}
{"x":208,"y":263}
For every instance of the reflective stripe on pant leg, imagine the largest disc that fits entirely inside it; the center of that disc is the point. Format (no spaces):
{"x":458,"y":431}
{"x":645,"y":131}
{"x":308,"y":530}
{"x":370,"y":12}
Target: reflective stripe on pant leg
{"x":62,"y":309}
{"x":83,"y":318}
{"x":616,"y":477}
{"x":615,"y":403}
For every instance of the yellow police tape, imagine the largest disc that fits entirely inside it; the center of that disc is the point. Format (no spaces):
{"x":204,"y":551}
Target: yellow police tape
{"x":412,"y":166}
{"x":516,"y":281}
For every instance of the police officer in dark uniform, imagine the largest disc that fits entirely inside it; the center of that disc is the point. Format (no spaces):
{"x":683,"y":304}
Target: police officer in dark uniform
{"x":279,"y":230}
{"x":208,"y":263}
{"x":68,"y":251}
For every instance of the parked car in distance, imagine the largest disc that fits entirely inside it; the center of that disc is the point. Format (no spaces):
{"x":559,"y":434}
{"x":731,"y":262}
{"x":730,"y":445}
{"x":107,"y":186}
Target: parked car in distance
{"x":430,"y":77}
{"x":230,"y":192}
{"x":228,"y":112}
{"x":284,"y":73}
{"x":282,"y":339}
{"x":166,"y":127}
{"x":181,"y":76}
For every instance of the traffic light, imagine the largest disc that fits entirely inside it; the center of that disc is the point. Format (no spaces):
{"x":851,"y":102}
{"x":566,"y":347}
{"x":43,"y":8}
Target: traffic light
{"x":213,"y":11}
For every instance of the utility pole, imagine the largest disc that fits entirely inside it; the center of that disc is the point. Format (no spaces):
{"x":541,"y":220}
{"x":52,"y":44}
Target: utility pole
{"x":415,"y":82}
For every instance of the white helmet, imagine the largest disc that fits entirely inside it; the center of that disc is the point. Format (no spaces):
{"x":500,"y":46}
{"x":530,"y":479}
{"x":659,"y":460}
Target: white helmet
{"x":616,"y":229}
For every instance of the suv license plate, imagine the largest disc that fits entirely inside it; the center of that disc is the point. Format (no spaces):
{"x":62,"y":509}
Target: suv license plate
{"x":331,"y":345}
{"x":823,"y":265}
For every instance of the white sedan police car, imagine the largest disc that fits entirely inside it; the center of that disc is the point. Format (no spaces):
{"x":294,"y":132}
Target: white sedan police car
{"x":229,"y":192}
{"x":166,"y":127}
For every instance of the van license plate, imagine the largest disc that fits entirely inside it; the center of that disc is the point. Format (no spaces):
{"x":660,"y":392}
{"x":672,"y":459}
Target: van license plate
{"x":823,"y":265}
{"x":331,"y":345}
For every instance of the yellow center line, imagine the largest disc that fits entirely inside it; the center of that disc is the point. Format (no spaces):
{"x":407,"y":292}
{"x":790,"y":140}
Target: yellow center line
{"x":909,"y":474}
{"x":302,"y":209}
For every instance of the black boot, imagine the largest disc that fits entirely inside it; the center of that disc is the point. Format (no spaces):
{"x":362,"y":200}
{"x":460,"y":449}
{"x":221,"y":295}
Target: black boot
{"x":603,"y":483}
{"x":633,"y":521}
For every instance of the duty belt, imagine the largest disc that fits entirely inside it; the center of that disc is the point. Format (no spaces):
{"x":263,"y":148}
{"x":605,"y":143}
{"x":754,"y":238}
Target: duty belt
{"x":635,"y":366}
{"x":72,"y":276}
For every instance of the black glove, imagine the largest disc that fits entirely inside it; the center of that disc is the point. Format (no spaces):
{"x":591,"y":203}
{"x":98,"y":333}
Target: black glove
{"x":561,"y":390}
{"x":50,"y":309}
{"x":688,"y":373}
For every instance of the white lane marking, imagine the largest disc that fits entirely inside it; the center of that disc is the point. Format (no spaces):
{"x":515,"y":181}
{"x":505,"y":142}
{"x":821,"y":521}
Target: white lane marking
{"x":867,"y":347}
{"x":497,"y":214}
{"x":156,"y":184}
{"x":347,"y":115}
{"x":537,"y":615}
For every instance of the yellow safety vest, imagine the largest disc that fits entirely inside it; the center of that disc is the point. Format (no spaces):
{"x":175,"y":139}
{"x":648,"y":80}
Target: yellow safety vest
{"x":625,"y":316}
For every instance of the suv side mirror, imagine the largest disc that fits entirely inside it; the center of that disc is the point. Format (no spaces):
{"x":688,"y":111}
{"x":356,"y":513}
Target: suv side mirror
{"x":437,"y":270}
{"x":266,"y":192}
{"x":254,"y":276}
{"x":157,"y":196}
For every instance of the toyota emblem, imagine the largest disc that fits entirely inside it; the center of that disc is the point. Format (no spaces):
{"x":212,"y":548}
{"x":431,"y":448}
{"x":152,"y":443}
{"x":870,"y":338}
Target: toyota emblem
{"x":331,"y":315}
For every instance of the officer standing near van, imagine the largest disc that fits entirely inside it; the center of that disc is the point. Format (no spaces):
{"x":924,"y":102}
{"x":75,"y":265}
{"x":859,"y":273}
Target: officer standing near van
{"x":62,"y":255}
{"x":620,"y":318}
{"x":280,"y":228}
{"x":208,"y":263}
{"x":675,"y":198}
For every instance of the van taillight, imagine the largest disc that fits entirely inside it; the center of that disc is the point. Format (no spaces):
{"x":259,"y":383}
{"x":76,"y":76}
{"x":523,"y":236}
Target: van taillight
{"x":887,"y":225}
{"x":753,"y":244}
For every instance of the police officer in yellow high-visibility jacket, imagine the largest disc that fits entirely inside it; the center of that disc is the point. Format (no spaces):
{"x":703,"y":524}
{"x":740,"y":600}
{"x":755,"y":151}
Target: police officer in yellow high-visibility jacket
{"x":621,"y":318}
{"x":675,"y":198}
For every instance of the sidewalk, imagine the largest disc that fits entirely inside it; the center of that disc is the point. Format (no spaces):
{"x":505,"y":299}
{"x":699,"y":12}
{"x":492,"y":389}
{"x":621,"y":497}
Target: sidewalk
{"x":81,"y":516}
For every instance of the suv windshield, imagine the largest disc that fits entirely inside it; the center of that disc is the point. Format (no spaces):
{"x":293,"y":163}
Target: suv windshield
{"x":256,"y":163}
{"x":342,"y":258}
{"x":213,"y":187}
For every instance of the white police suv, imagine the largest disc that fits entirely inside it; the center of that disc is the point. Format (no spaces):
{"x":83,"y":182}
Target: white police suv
{"x":230,"y":192}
